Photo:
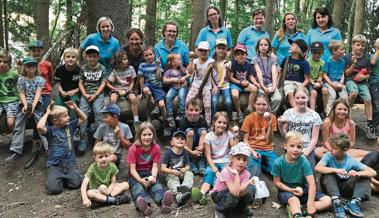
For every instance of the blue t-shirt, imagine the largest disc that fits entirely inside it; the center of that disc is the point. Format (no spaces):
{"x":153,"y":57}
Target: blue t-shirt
{"x":207,"y":34}
{"x":106,"y":48}
{"x":179,"y":47}
{"x":348,"y":163}
{"x":297,"y":69}
{"x":175,"y":161}
{"x":60,"y":148}
{"x":243,"y":71}
{"x":283,"y":47}
{"x":149,"y":73}
{"x":315,"y":35}
{"x":334,"y":69}
{"x":249,"y":37}
{"x":374,"y":78}
{"x":292,"y":174}
{"x":30,"y":86}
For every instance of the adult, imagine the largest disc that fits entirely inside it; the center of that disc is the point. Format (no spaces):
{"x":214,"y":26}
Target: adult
{"x":171,"y":45}
{"x":322,"y":31}
{"x":250,"y":35}
{"x":103,"y":39}
{"x":287,"y":31}
{"x":133,"y":47}
{"x":214,"y":30}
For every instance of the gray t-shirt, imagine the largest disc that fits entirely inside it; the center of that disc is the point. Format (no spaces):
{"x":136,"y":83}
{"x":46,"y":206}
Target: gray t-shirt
{"x":265,"y":65}
{"x":106,"y":133}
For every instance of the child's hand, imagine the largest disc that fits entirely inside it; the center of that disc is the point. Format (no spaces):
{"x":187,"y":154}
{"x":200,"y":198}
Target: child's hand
{"x":298,"y":191}
{"x":197,"y":153}
{"x":353,"y":173}
{"x":145,"y":182}
{"x":103,"y":189}
{"x":158,"y":61}
{"x":256,"y":155}
{"x":311,"y":210}
{"x":282,"y":120}
{"x":92,"y":98}
{"x":151,"y":179}
{"x":71,"y":105}
{"x":234,"y":171}
{"x":183,"y":170}
{"x":25,"y":109}
{"x":87,"y":96}
{"x":214,"y":90}
{"x":117,"y":131}
{"x":70,"y":93}
{"x":86,"y":203}
{"x":64,"y":94}
{"x":245,"y":83}
{"x":340,"y":171}
{"x":217,"y":174}
{"x":354,"y":60}
{"x":176,"y":172}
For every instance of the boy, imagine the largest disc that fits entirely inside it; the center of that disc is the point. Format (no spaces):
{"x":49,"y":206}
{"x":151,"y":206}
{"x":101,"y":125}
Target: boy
{"x":100,"y":180}
{"x":316,"y":85}
{"x":297,"y":69}
{"x":9,"y":98}
{"x":344,"y":175}
{"x":91,"y":84}
{"x":358,"y":70}
{"x":61,"y":160}
{"x":196,"y":128}
{"x":332,"y":72}
{"x":294,"y":179}
{"x":374,"y":84}
{"x":175,"y":165}
{"x":114,"y":132}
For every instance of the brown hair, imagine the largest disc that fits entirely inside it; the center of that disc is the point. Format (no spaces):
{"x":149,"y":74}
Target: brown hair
{"x":282,"y":31}
{"x":337,"y":102}
{"x":142,"y":127}
{"x":269,"y":45}
{"x":170,"y":23}
{"x":258,"y":12}
{"x":117,"y":59}
{"x":220,"y":114}
{"x":340,"y":140}
{"x":265,"y":97}
{"x":195,"y":102}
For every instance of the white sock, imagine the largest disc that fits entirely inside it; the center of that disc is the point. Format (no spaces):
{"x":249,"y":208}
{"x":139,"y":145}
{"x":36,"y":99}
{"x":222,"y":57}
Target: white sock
{"x":136,"y":118}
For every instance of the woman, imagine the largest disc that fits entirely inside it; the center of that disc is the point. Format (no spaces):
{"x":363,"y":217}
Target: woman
{"x":171,"y":45}
{"x":287,"y":31}
{"x":214,"y":30}
{"x":250,"y":35}
{"x":134,"y":47}
{"x":103,"y":39}
{"x":322,"y":31}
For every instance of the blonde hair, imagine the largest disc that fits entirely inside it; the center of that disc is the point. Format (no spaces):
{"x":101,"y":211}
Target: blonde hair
{"x":103,"y":19}
{"x":335,"y":44}
{"x":57,"y":111}
{"x":71,"y":50}
{"x":294,"y":135}
{"x":142,"y":127}
{"x":359,"y":38}
{"x":102,"y":148}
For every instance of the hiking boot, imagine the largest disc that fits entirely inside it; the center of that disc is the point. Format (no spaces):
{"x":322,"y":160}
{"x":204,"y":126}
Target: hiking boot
{"x":182,"y":199}
{"x":240,"y":117}
{"x":353,"y":207}
{"x":339,"y":209}
{"x":136,"y":126}
{"x":122,"y":199}
{"x":179,"y":118}
{"x":143,"y":206}
{"x":82,"y":146}
{"x":155,"y":111}
{"x":167,"y":131}
{"x":199,"y":197}
{"x":247,"y":211}
{"x":77,"y":136}
{"x":370,"y":132}
{"x":183,"y":189}
{"x":166,"y":202}
{"x":11,"y":158}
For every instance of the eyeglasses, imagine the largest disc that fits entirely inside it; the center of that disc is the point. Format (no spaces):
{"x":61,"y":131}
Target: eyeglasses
{"x":170,"y":31}
{"x":211,"y":15}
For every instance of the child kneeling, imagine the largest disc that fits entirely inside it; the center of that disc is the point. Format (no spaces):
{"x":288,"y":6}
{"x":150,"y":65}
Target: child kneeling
{"x":100,"y":180}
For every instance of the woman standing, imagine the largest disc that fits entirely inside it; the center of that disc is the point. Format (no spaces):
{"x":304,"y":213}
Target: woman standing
{"x":133,"y":48}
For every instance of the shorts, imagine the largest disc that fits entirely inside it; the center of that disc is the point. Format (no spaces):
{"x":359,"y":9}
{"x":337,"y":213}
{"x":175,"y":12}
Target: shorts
{"x":290,"y":86}
{"x":157,"y":92}
{"x":284,"y":196}
{"x":311,"y":88}
{"x":210,"y":176}
{"x":359,"y":88}
{"x":10,"y":109}
{"x":238,"y":87}
{"x":125,"y":96}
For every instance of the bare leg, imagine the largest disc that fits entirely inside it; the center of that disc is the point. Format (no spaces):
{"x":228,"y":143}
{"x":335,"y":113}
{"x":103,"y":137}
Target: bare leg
{"x":236,"y":100}
{"x":295,"y":205}
{"x":120,"y":188}
{"x":323,"y":204}
{"x":368,"y":109}
{"x":352,"y":97}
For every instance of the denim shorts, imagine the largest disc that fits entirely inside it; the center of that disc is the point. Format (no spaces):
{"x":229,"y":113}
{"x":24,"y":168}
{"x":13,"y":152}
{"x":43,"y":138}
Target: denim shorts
{"x":284,"y":196}
{"x":157,"y":92}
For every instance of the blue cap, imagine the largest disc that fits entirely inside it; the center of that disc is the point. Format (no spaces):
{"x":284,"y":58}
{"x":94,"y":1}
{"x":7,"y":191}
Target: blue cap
{"x":179,"y":134}
{"x":35,"y":44}
{"x":29,"y":60}
{"x":113,"y":109}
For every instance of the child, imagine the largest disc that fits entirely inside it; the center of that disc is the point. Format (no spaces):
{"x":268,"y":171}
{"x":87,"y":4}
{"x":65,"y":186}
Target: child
{"x":233,"y":190}
{"x":346,"y":176}
{"x":316,"y":85}
{"x":258,"y":128}
{"x":176,"y":78}
{"x":242,"y":72}
{"x":150,"y":74}
{"x":9,"y":99}
{"x":143,"y":159}
{"x":121,"y":83}
{"x":67,"y":79}
{"x":332,"y":72}
{"x":374,"y":84}
{"x":196,"y":128}
{"x":297,"y":69}
{"x":267,"y":73}
{"x":200,"y":67}
{"x":358,"y":70}
{"x":114,"y":132}
{"x":219,"y":74}
{"x":99,"y":184}
{"x":29,"y":86}
{"x":175,"y":165}
{"x":217,"y":145}
{"x":294,"y":179}
{"x":91,"y":84}
{"x":61,"y":160}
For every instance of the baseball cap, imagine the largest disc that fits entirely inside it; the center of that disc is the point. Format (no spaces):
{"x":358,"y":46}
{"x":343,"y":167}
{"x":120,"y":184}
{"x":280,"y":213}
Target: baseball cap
{"x":35,"y":44}
{"x":203,"y":45}
{"x":92,"y":48}
{"x":113,"y":109}
{"x":179,"y":134}
{"x":240,"y":47}
{"x":317,"y":46}
{"x":221,"y":41}
{"x":240,"y":148}
{"x":301,"y":43}
{"x":28,"y":60}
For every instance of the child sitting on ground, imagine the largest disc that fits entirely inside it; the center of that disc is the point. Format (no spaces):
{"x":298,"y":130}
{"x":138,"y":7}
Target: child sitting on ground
{"x":175,"y":165}
{"x":294,"y":179}
{"x":99,"y":184}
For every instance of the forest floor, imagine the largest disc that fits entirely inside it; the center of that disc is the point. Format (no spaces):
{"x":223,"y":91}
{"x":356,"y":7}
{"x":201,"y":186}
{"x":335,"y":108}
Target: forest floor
{"x":23,"y":191}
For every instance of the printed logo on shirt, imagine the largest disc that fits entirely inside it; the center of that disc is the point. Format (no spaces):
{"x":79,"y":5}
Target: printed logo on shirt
{"x":93,"y":75}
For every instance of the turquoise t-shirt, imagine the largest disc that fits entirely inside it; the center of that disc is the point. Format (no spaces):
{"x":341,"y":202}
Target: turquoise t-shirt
{"x":207,"y":34}
{"x":315,"y":35}
{"x":348,"y":163}
{"x":334,"y":69}
{"x":249,"y":37}
{"x":283,"y":47}
{"x":374,"y":78}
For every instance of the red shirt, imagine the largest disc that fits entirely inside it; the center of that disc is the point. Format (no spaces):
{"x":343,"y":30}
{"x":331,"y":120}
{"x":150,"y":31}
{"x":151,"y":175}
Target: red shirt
{"x":144,"y":159}
{"x":46,"y":72}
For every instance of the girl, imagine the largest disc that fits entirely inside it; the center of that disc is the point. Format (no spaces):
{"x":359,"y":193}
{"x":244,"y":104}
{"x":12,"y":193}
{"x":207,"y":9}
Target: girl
{"x":30,"y":87}
{"x":176,"y":77}
{"x":267,"y":73}
{"x":220,"y":73}
{"x":201,"y":83}
{"x":143,"y":159}
{"x":258,"y":127}
{"x":121,"y":82}
{"x":303,"y":120}
{"x":217,"y":145}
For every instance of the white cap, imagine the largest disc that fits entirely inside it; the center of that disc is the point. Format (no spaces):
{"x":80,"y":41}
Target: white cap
{"x":92,"y":48}
{"x":203,"y":45}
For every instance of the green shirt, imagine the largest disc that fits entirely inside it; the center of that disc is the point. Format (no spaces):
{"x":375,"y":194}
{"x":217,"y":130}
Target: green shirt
{"x":92,"y":78}
{"x":8,"y":87}
{"x":98,"y":176}
{"x":316,"y":68}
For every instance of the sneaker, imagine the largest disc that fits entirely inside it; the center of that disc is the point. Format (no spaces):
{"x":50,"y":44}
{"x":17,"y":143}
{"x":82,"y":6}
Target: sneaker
{"x":155,"y":111}
{"x":166,"y":202}
{"x":182,"y":199}
{"x":199,"y":197}
{"x":11,"y":158}
{"x":122,"y":199}
{"x":370,"y":132}
{"x":171,"y":122}
{"x":143,"y":206}
{"x":167,"y":131}
{"x":77,"y":136}
{"x":339,"y":209}
{"x":247,"y":111}
{"x":183,"y":189}
{"x":323,"y":115}
{"x":247,"y":212}
{"x":240,"y":117}
{"x":202,"y":170}
{"x":82,"y":146}
{"x":353,"y":207}
{"x":179,"y":117}
{"x":95,"y":205}
{"x":219,"y":214}
{"x":136,"y":126}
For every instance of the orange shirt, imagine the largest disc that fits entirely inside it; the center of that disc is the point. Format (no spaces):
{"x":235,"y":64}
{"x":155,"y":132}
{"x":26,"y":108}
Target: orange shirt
{"x":46,"y":72}
{"x":256,"y":127}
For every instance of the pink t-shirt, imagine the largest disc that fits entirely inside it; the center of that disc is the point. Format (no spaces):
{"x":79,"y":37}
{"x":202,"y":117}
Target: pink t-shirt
{"x":144,"y":159}
{"x":227,"y":176}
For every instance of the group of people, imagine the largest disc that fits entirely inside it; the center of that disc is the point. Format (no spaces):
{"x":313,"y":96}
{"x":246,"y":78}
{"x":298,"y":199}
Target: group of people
{"x":205,"y":141}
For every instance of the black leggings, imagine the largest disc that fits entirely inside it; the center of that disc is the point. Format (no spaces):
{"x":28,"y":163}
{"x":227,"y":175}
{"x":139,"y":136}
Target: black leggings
{"x":372,"y":160}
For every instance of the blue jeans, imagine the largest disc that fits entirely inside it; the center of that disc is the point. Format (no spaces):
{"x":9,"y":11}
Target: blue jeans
{"x":210,"y":176}
{"x":138,"y":190}
{"x":86,"y":107}
{"x":171,"y":94}
{"x":226,"y":202}
{"x":265,"y":162}
{"x":227,"y":101}
{"x":46,"y":99}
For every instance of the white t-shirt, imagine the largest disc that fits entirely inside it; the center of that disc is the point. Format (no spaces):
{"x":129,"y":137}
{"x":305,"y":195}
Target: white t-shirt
{"x":219,"y":146}
{"x":201,"y":71}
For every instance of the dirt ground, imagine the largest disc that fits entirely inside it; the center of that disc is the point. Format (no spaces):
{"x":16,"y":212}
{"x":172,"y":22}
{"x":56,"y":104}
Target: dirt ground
{"x":23,"y":191}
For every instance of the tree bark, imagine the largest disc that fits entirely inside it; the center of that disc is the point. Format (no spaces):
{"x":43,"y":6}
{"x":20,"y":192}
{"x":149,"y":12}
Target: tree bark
{"x":6,"y":34}
{"x":130,"y":13}
{"x":359,"y":18}
{"x":223,"y":6}
{"x":151,"y":20}
{"x":199,"y":18}
{"x":42,"y":21}
{"x":269,"y":17}
{"x":350,"y":25}
{"x":69,"y":12}
{"x":1,"y":26}
{"x":338,"y":13}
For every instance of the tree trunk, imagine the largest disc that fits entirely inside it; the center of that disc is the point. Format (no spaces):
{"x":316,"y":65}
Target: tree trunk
{"x":1,"y":26}
{"x":270,"y":17}
{"x":42,"y":21}
{"x":338,"y":13}
{"x":235,"y":21}
{"x":359,"y":18}
{"x":199,"y":18}
{"x":223,"y":5}
{"x":68,"y":13}
{"x":151,"y":19}
{"x":6,"y":34}
{"x":130,"y":13}
{"x":350,"y":25}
